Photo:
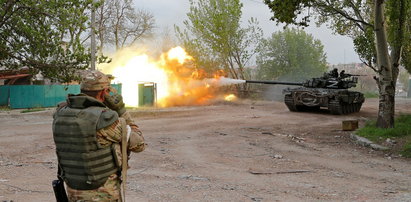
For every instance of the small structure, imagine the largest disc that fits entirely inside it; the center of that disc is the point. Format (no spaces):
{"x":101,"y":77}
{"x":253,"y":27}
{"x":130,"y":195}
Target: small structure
{"x":147,"y":94}
{"x":349,"y":125}
{"x":15,"y":77}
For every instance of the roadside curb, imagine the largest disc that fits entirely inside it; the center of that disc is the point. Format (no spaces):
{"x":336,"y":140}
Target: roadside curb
{"x":367,"y":143}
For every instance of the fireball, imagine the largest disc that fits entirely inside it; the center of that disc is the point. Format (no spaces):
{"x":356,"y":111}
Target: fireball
{"x":178,"y":81}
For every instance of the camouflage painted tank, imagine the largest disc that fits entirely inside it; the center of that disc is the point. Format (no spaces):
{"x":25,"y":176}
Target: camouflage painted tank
{"x":330,"y":91}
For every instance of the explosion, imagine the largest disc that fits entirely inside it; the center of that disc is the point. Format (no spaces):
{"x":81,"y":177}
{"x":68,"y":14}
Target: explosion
{"x":230,"y":97}
{"x":177,"y":81}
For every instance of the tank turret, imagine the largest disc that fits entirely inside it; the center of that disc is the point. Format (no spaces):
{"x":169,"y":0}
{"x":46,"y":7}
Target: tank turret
{"x":329,"y":91}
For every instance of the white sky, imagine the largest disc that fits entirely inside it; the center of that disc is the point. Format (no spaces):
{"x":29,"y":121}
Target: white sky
{"x":339,"y":49}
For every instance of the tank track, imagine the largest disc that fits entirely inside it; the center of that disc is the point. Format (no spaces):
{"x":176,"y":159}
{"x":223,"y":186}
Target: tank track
{"x":289,"y":102}
{"x":338,"y":108}
{"x":335,"y":106}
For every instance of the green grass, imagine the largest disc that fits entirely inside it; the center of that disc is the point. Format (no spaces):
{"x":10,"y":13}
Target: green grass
{"x":4,"y":108}
{"x":406,"y":151}
{"x":32,"y":110}
{"x":371,"y":95}
{"x":401,"y":133}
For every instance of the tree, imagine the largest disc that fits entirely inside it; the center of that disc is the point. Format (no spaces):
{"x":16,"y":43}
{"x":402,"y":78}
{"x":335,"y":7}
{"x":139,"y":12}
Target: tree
{"x":378,"y":28}
{"x":214,"y":37}
{"x":120,"y":24}
{"x":291,"y":52}
{"x":44,"y":36}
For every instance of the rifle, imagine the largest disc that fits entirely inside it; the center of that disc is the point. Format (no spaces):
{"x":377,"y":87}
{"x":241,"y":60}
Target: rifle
{"x":58,"y":188}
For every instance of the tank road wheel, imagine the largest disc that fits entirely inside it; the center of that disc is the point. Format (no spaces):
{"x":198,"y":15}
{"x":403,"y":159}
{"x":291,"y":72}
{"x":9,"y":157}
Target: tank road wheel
{"x":289,"y":101}
{"x":335,"y":107}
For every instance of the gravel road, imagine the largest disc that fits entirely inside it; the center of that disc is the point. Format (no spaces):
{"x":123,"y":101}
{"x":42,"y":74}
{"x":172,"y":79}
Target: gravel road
{"x":242,"y":151}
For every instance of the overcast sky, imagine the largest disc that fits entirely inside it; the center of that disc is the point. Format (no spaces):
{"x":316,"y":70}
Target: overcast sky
{"x":339,"y":49}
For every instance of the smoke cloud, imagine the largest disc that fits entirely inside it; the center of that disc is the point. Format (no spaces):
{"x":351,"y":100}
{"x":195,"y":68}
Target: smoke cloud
{"x":223,"y":81}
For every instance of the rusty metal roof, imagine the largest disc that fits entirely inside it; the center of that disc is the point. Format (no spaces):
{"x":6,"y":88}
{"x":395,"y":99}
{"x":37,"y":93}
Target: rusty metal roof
{"x":14,"y":76}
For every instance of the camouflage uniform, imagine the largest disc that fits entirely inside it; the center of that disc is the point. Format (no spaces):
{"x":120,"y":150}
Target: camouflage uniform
{"x":106,"y":137}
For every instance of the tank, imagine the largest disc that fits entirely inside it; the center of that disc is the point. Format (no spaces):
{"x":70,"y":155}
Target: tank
{"x":329,"y":91}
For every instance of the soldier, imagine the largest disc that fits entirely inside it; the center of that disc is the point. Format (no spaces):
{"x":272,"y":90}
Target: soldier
{"x":332,"y":74}
{"x":94,"y":134}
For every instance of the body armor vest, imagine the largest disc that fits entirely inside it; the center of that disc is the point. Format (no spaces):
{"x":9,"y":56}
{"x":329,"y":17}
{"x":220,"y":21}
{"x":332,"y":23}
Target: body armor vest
{"x":84,"y":163}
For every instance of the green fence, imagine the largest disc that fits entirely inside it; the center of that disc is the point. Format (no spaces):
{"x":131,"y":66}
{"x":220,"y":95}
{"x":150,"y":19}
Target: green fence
{"x":4,"y":95}
{"x":32,"y":96}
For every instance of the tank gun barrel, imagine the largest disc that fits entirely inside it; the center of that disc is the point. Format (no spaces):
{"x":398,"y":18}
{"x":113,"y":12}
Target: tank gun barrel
{"x":344,"y":75}
{"x":275,"y":82}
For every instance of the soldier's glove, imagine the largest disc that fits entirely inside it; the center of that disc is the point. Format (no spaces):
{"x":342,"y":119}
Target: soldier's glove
{"x":115,"y":102}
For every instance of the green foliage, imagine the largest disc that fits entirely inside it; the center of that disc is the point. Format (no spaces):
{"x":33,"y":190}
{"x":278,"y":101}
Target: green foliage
{"x":406,"y":50}
{"x":214,"y":37}
{"x":370,"y":95}
{"x":350,"y":18}
{"x":291,"y":52}
{"x":399,"y":26}
{"x":364,"y":45}
{"x":44,"y":36}
{"x":288,"y":11}
{"x":406,"y":55}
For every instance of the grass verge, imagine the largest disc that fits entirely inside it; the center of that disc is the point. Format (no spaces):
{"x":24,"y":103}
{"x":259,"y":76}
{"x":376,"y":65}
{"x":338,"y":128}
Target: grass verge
{"x":32,"y":110}
{"x":4,"y":108}
{"x":407,"y":150}
{"x":371,"y":95}
{"x":401,"y":134}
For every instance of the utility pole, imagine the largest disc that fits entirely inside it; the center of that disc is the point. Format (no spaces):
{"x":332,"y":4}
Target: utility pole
{"x":93,"y":38}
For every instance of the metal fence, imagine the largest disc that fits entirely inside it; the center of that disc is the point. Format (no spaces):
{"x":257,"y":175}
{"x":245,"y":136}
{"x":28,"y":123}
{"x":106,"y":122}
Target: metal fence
{"x":33,"y":96}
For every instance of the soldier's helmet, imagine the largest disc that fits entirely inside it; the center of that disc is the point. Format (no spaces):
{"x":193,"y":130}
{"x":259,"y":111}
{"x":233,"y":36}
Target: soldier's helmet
{"x":93,"y":80}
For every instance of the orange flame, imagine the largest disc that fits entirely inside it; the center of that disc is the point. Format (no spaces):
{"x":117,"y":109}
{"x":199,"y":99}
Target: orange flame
{"x":178,"y":81}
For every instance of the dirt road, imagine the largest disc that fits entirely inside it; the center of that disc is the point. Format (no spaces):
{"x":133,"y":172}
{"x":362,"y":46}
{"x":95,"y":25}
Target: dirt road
{"x":246,"y":151}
